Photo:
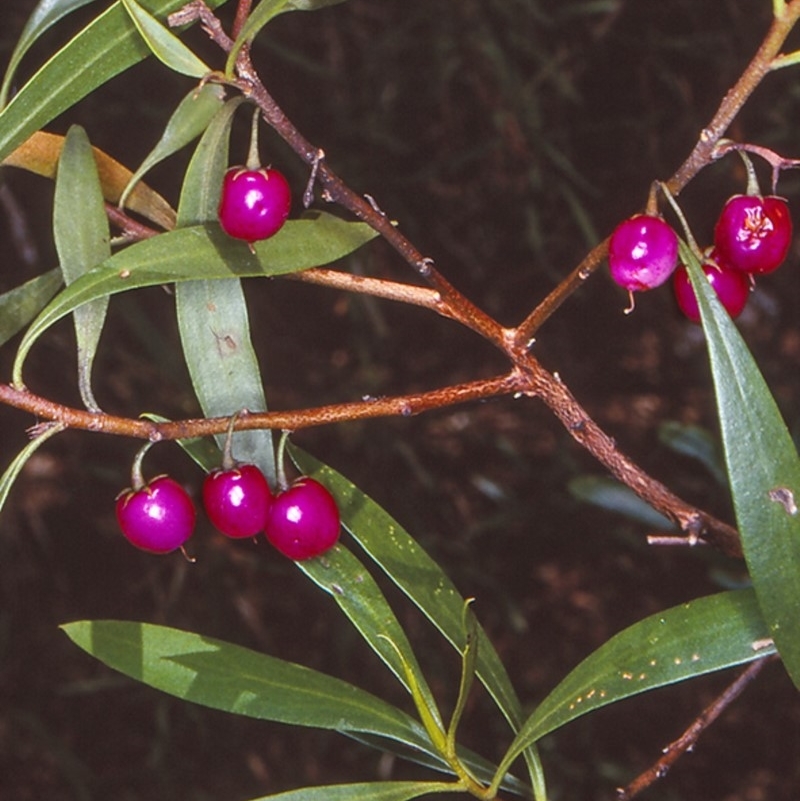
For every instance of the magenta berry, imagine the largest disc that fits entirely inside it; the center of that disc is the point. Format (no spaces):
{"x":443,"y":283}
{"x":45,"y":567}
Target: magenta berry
{"x":753,"y":233}
{"x":254,"y":204}
{"x":303,"y":521}
{"x":158,"y":518}
{"x":236,"y":500}
{"x":642,"y":253}
{"x":732,"y":288}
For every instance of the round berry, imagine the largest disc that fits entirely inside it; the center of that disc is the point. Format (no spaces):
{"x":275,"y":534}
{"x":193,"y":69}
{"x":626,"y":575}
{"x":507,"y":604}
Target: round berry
{"x":158,"y":518}
{"x":753,"y":233}
{"x":254,"y":204}
{"x":303,"y":521}
{"x":642,"y":253}
{"x":236,"y":500}
{"x":732,"y":288}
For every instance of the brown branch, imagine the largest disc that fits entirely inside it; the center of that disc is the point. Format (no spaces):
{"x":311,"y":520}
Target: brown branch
{"x":703,"y":153}
{"x":401,"y":405}
{"x":686,"y":742}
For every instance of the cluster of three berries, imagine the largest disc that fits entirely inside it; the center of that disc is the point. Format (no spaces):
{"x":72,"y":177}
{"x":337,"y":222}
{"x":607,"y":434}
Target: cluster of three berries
{"x":301,"y":521}
{"x":752,"y":237}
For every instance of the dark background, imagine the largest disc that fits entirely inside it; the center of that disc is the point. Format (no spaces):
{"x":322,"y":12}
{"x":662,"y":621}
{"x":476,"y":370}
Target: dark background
{"x":506,"y":137}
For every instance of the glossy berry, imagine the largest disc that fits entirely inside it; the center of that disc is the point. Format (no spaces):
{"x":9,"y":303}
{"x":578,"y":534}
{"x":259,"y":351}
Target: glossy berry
{"x":158,"y":518}
{"x":303,"y":521}
{"x":753,"y":233}
{"x":642,"y":253}
{"x":236,"y":500}
{"x":254,"y":204}
{"x":732,"y":288}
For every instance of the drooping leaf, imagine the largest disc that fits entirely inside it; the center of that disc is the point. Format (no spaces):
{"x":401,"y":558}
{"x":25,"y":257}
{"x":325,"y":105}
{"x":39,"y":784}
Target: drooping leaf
{"x":610,"y":494}
{"x":695,"y":638}
{"x":223,"y":676}
{"x":422,"y":580}
{"x":46,"y":14}
{"x":107,"y":46}
{"x":187,"y":122}
{"x":80,"y":230}
{"x":15,"y":468}
{"x":345,"y":579}
{"x":40,"y":153}
{"x":202,"y":251}
{"x":164,"y":45}
{"x":213,"y":315}
{"x":763,"y":468}
{"x":372,"y":791}
{"x":20,"y":305}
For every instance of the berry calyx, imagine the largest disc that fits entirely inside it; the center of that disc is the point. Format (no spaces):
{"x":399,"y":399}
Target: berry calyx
{"x":157,"y":517}
{"x":642,"y":253}
{"x":254,"y":204}
{"x":303,"y":520}
{"x":236,"y":500}
{"x":753,"y":233}
{"x":732,"y":288}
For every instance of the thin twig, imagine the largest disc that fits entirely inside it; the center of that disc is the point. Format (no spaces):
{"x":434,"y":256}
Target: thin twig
{"x":686,"y":742}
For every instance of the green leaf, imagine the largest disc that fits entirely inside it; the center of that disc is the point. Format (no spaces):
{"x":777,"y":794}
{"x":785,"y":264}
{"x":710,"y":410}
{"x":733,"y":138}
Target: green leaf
{"x":212,"y":315}
{"x":347,"y":581}
{"x":312,"y":5}
{"x":422,"y":580}
{"x":223,"y":676}
{"x":80,"y":230}
{"x":15,"y":468}
{"x":109,"y":45}
{"x":46,"y":14}
{"x":165,"y":46}
{"x":686,"y":641}
{"x":372,"y":791}
{"x":188,"y":121}
{"x":202,"y":251}
{"x":261,"y":15}
{"x":20,"y":305}
{"x":697,"y":443}
{"x":763,"y":468}
{"x":610,"y":494}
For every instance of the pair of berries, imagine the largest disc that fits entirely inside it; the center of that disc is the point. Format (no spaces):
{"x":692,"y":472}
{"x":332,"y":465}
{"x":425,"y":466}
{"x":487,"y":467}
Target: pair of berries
{"x":302,"y":521}
{"x":752,"y":237}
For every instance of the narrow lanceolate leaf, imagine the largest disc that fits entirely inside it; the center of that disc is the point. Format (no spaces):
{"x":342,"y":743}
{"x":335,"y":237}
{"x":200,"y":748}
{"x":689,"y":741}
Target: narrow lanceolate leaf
{"x":20,"y":305}
{"x":703,"y":636}
{"x":40,"y":153}
{"x":234,"y":679}
{"x":764,"y":472}
{"x":261,"y":15}
{"x":80,"y":230}
{"x":46,"y":14}
{"x":15,"y":468}
{"x":424,"y":583}
{"x":187,"y":122}
{"x":202,"y":251}
{"x":343,"y":577}
{"x":371,"y":791}
{"x":109,"y":45}
{"x":213,"y":316}
{"x":166,"y":47}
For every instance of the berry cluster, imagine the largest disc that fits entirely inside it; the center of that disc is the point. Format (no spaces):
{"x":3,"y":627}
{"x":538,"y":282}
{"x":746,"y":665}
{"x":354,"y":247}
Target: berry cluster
{"x":301,"y":521}
{"x":752,"y":237}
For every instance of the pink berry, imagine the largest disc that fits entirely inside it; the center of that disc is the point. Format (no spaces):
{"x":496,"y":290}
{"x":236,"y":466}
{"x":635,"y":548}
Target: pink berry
{"x":732,"y":288}
{"x":642,"y":253}
{"x":753,"y":233}
{"x":254,"y":204}
{"x":303,"y":521}
{"x":158,"y":518}
{"x":236,"y":500}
